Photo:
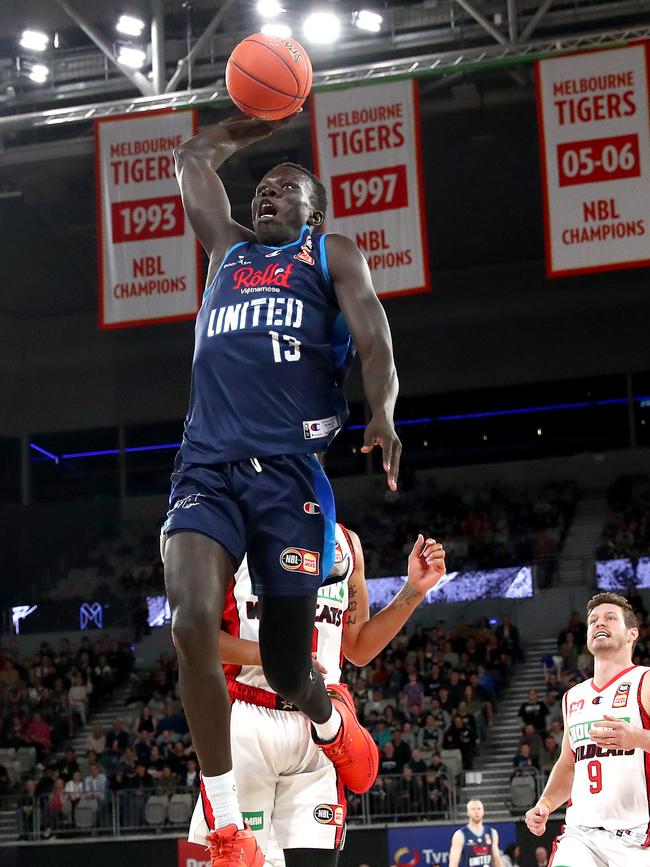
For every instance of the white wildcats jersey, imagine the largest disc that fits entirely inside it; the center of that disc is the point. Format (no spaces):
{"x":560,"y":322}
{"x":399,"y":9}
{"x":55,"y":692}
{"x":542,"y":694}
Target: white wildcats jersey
{"x":611,"y":788}
{"x":241,"y":618}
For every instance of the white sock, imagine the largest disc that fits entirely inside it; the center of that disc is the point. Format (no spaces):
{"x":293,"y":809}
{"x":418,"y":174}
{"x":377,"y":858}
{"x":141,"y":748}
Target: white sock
{"x":329,"y":729}
{"x":222,"y":795}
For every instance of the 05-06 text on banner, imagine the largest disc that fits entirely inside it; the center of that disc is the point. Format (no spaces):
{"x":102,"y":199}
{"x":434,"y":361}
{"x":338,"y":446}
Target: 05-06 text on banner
{"x":366,"y":143}
{"x":149,"y":259}
{"x":594,"y":128}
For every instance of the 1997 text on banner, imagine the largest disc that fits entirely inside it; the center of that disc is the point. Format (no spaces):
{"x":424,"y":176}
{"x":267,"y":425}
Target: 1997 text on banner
{"x":594,"y":127}
{"x":149,"y":260}
{"x":366,"y":143}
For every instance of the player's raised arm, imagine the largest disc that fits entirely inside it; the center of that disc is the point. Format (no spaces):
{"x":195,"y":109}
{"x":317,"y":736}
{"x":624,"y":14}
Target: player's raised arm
{"x":368,"y":326}
{"x":364,"y":637}
{"x":204,"y":197}
{"x":557,"y":790}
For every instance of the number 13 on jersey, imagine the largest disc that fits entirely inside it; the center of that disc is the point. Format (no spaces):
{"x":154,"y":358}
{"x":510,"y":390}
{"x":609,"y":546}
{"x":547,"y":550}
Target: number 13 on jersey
{"x":290,"y":352}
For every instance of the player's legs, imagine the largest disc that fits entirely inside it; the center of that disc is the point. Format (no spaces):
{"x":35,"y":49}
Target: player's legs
{"x":197,"y":573}
{"x":573,"y":849}
{"x":286,"y":635}
{"x":288,"y":509}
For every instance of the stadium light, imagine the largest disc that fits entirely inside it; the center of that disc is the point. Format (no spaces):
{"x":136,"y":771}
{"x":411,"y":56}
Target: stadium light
{"x":279,"y":31}
{"x":34,"y":40}
{"x":38,"y":73}
{"x":322,"y":28}
{"x":129,"y":25}
{"x":269,"y":8}
{"x":131,"y":57}
{"x":367,"y":20}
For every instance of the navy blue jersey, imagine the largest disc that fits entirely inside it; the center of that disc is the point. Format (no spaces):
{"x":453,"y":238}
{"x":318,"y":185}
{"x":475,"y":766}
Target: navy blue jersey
{"x":477,"y":848}
{"x":271,"y":352}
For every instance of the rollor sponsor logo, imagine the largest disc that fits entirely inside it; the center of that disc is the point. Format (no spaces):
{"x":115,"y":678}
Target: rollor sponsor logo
{"x":310,"y":562}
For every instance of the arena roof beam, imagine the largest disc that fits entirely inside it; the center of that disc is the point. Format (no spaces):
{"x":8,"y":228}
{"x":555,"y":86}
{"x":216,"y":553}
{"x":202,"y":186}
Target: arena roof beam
{"x":184,"y":62}
{"x":136,"y":78}
{"x":158,"y":45}
{"x":534,"y":21}
{"x":512,"y":20}
{"x":482,"y":20}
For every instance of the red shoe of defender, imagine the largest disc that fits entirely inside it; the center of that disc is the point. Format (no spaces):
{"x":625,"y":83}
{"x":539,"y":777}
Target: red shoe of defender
{"x":230,"y":847}
{"x":353,"y":752}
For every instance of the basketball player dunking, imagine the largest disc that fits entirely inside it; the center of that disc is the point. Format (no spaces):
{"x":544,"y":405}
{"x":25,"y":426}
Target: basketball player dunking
{"x":604,"y":766}
{"x":285,"y":783}
{"x":476,"y":844}
{"x":282,"y":310}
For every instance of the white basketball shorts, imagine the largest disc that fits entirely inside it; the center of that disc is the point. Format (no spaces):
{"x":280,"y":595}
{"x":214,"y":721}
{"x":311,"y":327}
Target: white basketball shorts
{"x":283,"y":781}
{"x":591,"y":847}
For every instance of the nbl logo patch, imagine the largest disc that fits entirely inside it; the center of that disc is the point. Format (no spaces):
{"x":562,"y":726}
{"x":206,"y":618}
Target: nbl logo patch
{"x":300,"y":560}
{"x":329,"y":814}
{"x":622,"y":695}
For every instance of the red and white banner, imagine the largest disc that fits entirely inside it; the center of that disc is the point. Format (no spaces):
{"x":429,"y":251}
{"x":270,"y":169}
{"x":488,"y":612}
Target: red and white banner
{"x":149,"y":259}
{"x":192,"y":855}
{"x":366,"y":143}
{"x":594,"y":128}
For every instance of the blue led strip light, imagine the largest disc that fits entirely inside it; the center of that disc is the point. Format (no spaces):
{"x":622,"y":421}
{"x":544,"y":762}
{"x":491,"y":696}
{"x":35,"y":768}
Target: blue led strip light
{"x":494,"y":413}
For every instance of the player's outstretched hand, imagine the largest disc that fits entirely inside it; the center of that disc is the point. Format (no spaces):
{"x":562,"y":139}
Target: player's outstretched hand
{"x":318,"y":665}
{"x":536,"y":818}
{"x":426,"y":564}
{"x":613,"y":733}
{"x":381,"y":432}
{"x":244,"y":130}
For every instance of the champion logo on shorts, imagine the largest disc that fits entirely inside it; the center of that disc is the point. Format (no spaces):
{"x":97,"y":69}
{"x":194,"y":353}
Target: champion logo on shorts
{"x":300,"y":560}
{"x":329,"y":814}
{"x":311,"y":508}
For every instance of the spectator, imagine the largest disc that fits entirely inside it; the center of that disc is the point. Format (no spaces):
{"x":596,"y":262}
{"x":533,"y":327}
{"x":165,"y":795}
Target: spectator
{"x":38,"y":733}
{"x":388,"y":762}
{"x":25,"y":810}
{"x":524,"y":762}
{"x":96,"y":740}
{"x":508,"y":636}
{"x":382,"y":734}
{"x":533,"y":739}
{"x":534,"y":712}
{"x":511,"y":855}
{"x":73,"y":790}
{"x":541,"y":857}
{"x":117,"y":739}
{"x":410,"y":794}
{"x":78,"y":697}
{"x":555,"y":731}
{"x":144,"y":722}
{"x":413,"y":691}
{"x":402,"y":749}
{"x":68,"y":765}
{"x":460,"y":737}
{"x":550,"y":754}
{"x":172,"y":722}
{"x":191,"y":776}
{"x":167,"y":782}
{"x":55,"y":815}
{"x":436,"y":789}
{"x":95,"y":783}
{"x":416,"y":762}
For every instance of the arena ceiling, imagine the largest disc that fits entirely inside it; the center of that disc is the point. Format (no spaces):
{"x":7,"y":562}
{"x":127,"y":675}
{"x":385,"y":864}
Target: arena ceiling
{"x":47,"y":198}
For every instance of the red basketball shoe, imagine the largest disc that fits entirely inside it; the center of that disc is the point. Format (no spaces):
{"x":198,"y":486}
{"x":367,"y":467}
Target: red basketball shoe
{"x":230,"y":847}
{"x":353,"y":752}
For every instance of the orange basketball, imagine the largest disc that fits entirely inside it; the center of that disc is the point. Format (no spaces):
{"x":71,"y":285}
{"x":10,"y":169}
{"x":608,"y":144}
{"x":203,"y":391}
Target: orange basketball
{"x":268,"y":77}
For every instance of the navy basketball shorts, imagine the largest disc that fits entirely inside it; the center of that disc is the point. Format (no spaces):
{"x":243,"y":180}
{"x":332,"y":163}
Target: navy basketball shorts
{"x":278,"y":510}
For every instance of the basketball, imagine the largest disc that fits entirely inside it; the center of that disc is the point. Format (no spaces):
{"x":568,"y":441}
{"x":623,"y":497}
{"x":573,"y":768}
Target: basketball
{"x":268,"y":77}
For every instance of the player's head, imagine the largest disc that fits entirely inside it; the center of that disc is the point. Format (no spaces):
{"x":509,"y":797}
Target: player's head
{"x":475,"y":811}
{"x":611,"y":624}
{"x":288,"y":197}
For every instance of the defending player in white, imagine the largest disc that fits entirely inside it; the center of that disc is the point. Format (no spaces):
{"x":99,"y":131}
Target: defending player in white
{"x":284,"y":781}
{"x":604,"y":766}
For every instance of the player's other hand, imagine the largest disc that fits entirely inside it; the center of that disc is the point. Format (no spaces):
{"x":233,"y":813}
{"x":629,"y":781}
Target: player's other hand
{"x":426,"y":564}
{"x":244,"y":130}
{"x":536,"y":818}
{"x":318,"y":665}
{"x":381,"y":432}
{"x":612,"y":733}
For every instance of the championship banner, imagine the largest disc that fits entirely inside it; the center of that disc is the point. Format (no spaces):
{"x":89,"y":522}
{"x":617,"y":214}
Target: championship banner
{"x":594,"y":129}
{"x":149,"y":260}
{"x":366,"y":143}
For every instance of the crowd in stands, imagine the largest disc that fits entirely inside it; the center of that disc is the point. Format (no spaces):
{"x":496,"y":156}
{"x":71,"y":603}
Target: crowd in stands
{"x":481,"y":528}
{"x":627,"y":531}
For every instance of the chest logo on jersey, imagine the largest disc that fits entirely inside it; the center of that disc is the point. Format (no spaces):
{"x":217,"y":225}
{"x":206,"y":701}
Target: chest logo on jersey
{"x":272,"y":275}
{"x":305,"y":252}
{"x":597,"y":700}
{"x":311,"y":508}
{"x":622,"y":695}
{"x":300,"y":560}
{"x":575,"y":706}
